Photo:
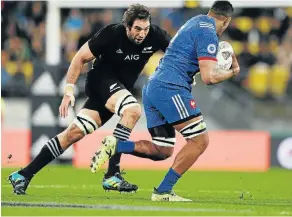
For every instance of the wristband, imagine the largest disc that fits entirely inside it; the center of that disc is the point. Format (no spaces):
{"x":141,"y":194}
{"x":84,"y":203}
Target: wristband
{"x":69,"y":89}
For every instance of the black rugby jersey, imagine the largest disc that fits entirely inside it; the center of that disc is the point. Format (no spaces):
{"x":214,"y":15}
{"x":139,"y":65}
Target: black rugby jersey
{"x":116,"y":54}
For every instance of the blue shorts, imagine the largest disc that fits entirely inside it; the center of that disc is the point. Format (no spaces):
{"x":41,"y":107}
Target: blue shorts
{"x":166,"y":103}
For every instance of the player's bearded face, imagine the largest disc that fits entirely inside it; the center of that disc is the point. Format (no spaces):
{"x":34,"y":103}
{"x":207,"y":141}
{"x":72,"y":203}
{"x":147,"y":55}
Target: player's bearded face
{"x":224,"y":26}
{"x":139,"y":30}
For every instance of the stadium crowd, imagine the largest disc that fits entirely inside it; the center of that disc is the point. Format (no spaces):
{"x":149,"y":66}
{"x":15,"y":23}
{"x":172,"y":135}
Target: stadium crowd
{"x":261,"y":38}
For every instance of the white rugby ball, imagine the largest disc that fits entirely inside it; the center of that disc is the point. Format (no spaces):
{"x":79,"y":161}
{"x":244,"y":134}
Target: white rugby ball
{"x":224,"y":55}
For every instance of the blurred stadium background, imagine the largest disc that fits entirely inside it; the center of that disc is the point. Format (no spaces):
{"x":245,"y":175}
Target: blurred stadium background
{"x":250,"y":116}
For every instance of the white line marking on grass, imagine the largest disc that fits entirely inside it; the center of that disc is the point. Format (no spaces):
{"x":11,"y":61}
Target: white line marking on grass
{"x":223,"y":191}
{"x":285,"y":213}
{"x":118,"y":207}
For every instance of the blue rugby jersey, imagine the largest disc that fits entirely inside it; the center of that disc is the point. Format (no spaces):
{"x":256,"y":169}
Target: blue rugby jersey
{"x":196,"y":40}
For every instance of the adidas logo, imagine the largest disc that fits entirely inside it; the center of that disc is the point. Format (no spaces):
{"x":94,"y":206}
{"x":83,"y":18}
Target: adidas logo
{"x":206,"y":25}
{"x":119,"y":51}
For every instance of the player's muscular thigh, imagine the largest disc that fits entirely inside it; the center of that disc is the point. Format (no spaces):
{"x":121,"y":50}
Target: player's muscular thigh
{"x":73,"y":134}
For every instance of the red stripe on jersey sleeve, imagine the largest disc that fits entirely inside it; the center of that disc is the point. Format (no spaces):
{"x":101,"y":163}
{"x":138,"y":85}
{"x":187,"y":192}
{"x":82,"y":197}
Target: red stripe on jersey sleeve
{"x":207,"y":58}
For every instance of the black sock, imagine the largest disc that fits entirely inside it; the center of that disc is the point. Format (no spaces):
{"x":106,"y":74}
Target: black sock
{"x":122,"y":133}
{"x":48,"y":153}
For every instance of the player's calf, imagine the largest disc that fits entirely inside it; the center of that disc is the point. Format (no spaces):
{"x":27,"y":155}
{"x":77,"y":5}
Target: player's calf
{"x":126,"y":106}
{"x":160,"y":148}
{"x":152,"y":151}
{"x":82,"y":125}
{"x":111,"y":146}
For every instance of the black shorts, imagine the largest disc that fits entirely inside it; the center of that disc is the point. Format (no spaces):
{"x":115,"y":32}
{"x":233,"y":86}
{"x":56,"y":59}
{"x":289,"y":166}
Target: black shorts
{"x":99,"y":88}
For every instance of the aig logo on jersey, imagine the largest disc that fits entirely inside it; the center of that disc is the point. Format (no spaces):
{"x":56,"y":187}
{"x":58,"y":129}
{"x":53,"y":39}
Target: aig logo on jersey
{"x":132,"y":57}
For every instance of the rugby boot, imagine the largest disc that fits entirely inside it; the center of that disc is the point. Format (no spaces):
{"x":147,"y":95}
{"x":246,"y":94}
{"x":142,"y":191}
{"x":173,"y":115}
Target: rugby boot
{"x":168,"y":196}
{"x":19,"y":183}
{"x":107,"y":150}
{"x":118,"y":183}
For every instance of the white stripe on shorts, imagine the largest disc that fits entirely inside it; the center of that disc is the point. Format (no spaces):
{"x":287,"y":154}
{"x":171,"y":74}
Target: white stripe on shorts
{"x":186,"y":111}
{"x":181,"y":105}
{"x":176,"y":105}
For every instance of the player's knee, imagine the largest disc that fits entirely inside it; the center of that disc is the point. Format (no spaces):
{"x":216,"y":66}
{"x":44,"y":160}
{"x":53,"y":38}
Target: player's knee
{"x":194,"y":129}
{"x":205,"y":142}
{"x":201,"y":142}
{"x":128,"y":105}
{"x":133,"y":112}
{"x":73,"y":134}
{"x":195,"y":133}
{"x":85,"y":124}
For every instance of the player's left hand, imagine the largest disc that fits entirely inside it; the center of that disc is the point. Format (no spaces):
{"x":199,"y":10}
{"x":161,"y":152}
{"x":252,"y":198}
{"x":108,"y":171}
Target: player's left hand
{"x":66,"y":101}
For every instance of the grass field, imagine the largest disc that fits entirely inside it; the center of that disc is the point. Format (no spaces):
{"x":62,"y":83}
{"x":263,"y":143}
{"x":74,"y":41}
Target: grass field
{"x":63,"y":191}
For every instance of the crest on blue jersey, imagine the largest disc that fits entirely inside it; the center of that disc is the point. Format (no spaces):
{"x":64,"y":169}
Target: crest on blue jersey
{"x":211,"y":48}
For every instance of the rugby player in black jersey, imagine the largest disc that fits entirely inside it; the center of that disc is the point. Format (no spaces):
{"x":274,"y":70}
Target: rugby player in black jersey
{"x":120,"y":52}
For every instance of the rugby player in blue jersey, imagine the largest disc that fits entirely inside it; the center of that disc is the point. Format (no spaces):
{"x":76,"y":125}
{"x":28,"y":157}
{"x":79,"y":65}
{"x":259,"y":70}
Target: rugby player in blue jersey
{"x":169,"y":104}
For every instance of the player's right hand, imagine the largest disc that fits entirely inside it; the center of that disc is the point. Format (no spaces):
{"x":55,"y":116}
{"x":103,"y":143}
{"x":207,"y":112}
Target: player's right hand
{"x":235,"y":65}
{"x":63,"y":109}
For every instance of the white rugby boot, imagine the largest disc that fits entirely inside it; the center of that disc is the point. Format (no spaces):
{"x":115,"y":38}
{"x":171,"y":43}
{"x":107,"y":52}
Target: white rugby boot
{"x":108,"y":149}
{"x":169,"y":196}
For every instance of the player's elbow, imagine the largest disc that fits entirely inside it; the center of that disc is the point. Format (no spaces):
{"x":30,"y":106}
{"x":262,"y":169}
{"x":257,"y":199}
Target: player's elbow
{"x":77,"y":61}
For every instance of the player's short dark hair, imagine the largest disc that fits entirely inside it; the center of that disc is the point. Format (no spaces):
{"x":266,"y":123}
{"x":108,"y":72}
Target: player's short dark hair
{"x":222,"y":7}
{"x":136,"y":11}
